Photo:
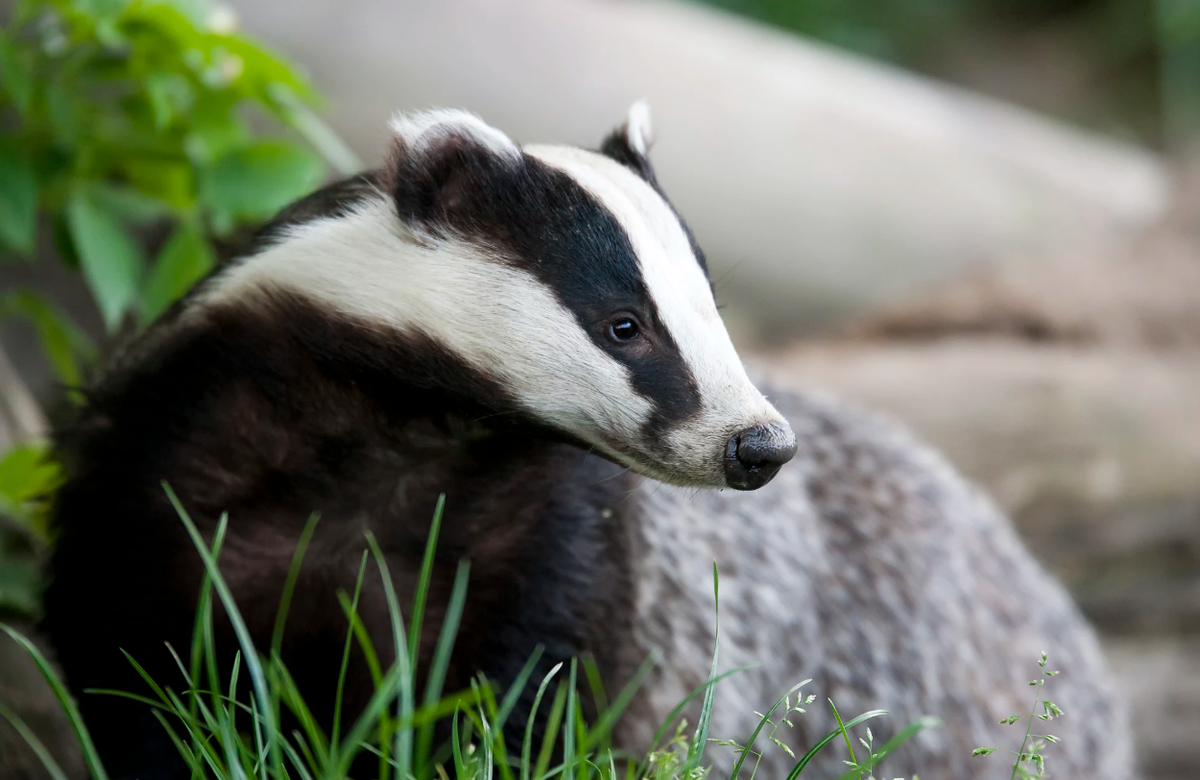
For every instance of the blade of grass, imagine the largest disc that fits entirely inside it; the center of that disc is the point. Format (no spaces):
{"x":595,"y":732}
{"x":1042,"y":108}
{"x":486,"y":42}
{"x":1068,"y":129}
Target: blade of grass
{"x":335,"y":732}
{"x":194,"y":763}
{"x":210,"y":720}
{"x":831,"y":736}
{"x":484,"y":688}
{"x":696,"y":751}
{"x":257,"y":678}
{"x":460,"y":766}
{"x":306,"y":750}
{"x":418,"y":609}
{"x":90,"y":757}
{"x":527,"y":745}
{"x":209,"y":644}
{"x":260,"y":750}
{"x":608,"y":720}
{"x":514,"y":691}
{"x":386,"y":729}
{"x":363,"y":639}
{"x":904,"y":736}
{"x":285,"y":605}
{"x":296,"y":760}
{"x":202,"y":626}
{"x":845,"y":734}
{"x":749,"y":745}
{"x":233,"y":680}
{"x":441,"y":656}
{"x":126,"y":695}
{"x":201,"y":733}
{"x":317,"y":740}
{"x":665,"y":726}
{"x":35,"y":744}
{"x":553,"y":722}
{"x":289,"y":584}
{"x":404,"y":704}
{"x":560,"y":770}
{"x":569,"y":714}
{"x":596,"y":685}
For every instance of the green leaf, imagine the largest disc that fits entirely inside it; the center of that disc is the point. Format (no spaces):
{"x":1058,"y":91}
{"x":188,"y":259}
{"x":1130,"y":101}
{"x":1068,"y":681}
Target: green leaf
{"x":18,"y":198}
{"x":256,"y":181}
{"x":167,"y":93}
{"x":183,"y":261}
{"x":20,"y":582}
{"x":27,"y":472}
{"x":65,"y":344}
{"x":262,"y":70}
{"x":16,"y":75}
{"x":169,"y":182}
{"x":112,"y":263}
{"x":63,"y":111}
{"x":216,"y":129}
{"x":319,"y":135}
{"x":130,"y":205}
{"x":171,"y":23}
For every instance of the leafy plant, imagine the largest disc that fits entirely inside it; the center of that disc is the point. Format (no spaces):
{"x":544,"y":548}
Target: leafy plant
{"x":125,"y":138}
{"x":1030,"y":761}
{"x":126,"y":146}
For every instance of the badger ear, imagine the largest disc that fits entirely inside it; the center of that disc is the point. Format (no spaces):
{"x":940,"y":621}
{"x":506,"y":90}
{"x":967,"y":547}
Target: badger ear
{"x":630,"y":143}
{"x":442,"y":164}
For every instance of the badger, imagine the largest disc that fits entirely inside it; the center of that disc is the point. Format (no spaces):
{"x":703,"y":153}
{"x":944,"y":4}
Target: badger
{"x":531,"y":332}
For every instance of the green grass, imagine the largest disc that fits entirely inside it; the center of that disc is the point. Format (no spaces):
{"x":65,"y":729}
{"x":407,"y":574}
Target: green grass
{"x":224,"y":737}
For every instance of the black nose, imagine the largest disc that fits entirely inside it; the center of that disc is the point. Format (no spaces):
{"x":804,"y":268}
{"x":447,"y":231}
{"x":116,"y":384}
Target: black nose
{"x":753,"y":456}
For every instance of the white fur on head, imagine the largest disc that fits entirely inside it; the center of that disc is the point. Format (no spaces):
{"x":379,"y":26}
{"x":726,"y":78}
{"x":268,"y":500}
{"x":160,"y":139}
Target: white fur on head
{"x":639,"y":130}
{"x":684,"y":301}
{"x":365,"y":266}
{"x":420,"y":130}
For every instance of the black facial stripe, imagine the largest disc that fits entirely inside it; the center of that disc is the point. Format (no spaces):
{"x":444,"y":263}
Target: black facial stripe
{"x":543,"y":222}
{"x":616,"y":147}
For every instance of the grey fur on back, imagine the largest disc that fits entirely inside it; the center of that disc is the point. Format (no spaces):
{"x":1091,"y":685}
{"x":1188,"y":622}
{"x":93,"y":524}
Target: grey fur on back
{"x":870,"y":566}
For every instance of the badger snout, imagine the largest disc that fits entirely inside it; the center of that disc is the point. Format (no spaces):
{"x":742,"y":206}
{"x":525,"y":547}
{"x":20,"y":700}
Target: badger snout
{"x":753,"y":456}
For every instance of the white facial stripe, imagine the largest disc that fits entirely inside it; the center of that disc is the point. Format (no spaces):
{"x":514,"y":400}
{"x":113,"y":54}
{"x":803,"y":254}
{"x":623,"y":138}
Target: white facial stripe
{"x":678,"y":287}
{"x":492,"y":316}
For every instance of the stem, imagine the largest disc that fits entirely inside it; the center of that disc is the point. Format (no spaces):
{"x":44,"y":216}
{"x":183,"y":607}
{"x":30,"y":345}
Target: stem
{"x":1028,"y":726}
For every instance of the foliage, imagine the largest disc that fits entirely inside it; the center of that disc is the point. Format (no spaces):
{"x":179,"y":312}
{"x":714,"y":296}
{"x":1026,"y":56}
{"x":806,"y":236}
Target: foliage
{"x":222,"y":736}
{"x":127,"y":122}
{"x":126,"y":126}
{"x":27,"y":477}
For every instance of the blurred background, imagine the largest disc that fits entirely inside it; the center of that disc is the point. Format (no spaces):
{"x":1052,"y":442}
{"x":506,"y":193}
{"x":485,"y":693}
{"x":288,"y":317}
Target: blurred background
{"x":979,"y":216}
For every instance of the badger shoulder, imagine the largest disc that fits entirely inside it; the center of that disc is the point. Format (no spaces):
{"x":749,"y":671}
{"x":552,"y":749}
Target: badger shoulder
{"x":872,"y":567}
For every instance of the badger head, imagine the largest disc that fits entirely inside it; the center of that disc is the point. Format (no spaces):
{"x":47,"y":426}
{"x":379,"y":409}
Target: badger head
{"x":560,"y":277}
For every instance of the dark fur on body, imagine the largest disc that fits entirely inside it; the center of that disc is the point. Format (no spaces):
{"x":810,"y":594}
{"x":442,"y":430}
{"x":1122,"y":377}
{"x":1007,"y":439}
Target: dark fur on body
{"x":271,"y":414}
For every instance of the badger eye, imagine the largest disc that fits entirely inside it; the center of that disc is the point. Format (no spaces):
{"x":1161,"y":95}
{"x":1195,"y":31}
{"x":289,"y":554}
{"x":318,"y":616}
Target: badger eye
{"x":624,"y":329}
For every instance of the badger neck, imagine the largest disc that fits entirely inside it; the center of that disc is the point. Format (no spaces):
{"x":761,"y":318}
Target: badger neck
{"x":278,"y":401}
